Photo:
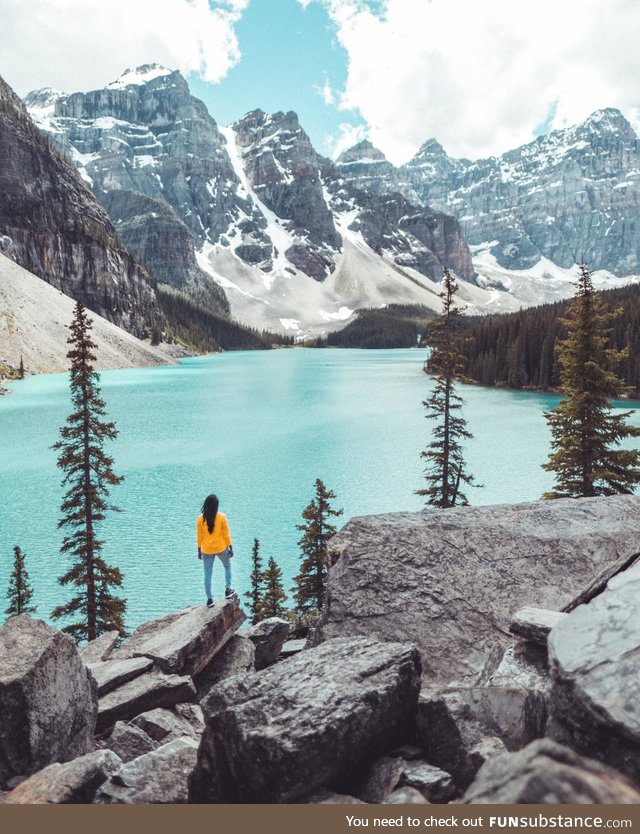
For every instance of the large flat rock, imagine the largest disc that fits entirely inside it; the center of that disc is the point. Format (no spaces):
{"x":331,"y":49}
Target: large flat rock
{"x":110,"y":674}
{"x":144,"y":693}
{"x":48,"y":702}
{"x":184,"y":642}
{"x":71,"y":783}
{"x":449,"y":580}
{"x":594,"y":656}
{"x":313,"y":720}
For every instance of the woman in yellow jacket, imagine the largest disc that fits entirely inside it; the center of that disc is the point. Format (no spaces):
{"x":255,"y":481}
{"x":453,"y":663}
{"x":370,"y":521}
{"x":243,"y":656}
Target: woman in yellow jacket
{"x":212,"y":534}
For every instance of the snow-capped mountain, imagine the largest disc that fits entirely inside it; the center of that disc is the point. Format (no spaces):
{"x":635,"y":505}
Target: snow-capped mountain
{"x":571,"y":195}
{"x":298,"y":242}
{"x":270,"y":220}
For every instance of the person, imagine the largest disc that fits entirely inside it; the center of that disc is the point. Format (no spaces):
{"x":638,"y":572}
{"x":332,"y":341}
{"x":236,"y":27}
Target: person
{"x":212,"y":534}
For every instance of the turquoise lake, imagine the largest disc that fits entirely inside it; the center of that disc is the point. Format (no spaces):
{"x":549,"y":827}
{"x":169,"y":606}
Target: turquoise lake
{"x":257,"y":428}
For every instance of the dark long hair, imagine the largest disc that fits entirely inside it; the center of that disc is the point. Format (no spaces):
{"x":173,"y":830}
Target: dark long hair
{"x":210,"y":511}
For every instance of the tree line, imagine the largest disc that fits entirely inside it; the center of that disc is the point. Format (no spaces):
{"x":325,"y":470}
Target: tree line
{"x":394,"y":326}
{"x":518,"y":350}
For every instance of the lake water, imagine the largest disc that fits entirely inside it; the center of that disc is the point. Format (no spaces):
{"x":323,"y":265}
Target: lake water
{"x":257,"y":428}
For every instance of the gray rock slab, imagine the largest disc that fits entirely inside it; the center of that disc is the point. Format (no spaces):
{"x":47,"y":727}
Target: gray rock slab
{"x":160,"y":777}
{"x":111,"y":674}
{"x":236,"y":657}
{"x":594,"y":656}
{"x":290,"y":647}
{"x":452,"y":739}
{"x":128,"y":741}
{"x":327,"y":797}
{"x":598,"y":585}
{"x":457,"y":576}
{"x":74,"y":782}
{"x":312,"y":720}
{"x":146,"y":692}
{"x":48,"y":702}
{"x":522,"y":666}
{"x":163,"y":725}
{"x":194,"y":715}
{"x":184,"y":642}
{"x":381,"y":779}
{"x":99,"y":649}
{"x":534,"y":623}
{"x":433,"y":783}
{"x":268,"y":637}
{"x":548,"y":773}
{"x":514,"y":714}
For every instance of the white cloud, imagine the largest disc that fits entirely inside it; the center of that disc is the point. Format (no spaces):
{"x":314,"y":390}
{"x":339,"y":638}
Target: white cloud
{"x":348,"y":135}
{"x":84,"y":44}
{"x":483,"y":76}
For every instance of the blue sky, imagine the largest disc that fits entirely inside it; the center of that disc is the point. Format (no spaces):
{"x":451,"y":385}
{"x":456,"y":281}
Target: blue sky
{"x":289,"y":54}
{"x":481,"y":77}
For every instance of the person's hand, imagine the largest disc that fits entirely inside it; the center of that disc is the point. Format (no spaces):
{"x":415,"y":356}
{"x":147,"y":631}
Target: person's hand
{"x":200,"y":555}
{"x":230,"y":550}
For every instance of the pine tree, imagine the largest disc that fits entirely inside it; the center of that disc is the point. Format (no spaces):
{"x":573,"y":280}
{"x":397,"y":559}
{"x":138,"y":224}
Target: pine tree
{"x":21,"y":368}
{"x":445,"y":462}
{"x":20,"y":592}
{"x":311,"y":582}
{"x":257,"y":582}
{"x":272,"y":600}
{"x":88,"y":477}
{"x":583,"y":427}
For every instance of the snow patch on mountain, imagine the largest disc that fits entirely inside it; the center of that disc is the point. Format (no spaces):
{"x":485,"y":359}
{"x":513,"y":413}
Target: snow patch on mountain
{"x":138,"y":76}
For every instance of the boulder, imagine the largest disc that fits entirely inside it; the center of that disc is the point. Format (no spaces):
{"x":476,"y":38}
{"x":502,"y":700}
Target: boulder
{"x":315,"y":719}
{"x":237,"y":657}
{"x":534,"y":623}
{"x":594,"y":656}
{"x":163,"y":725}
{"x":268,"y":636}
{"x":160,"y":777}
{"x":111,"y":674}
{"x":128,"y":741}
{"x":381,"y":778}
{"x":48,"y":702}
{"x":523,"y":666}
{"x":457,"y":576}
{"x":545,"y":772}
{"x":146,"y":692}
{"x":194,"y":715}
{"x":327,"y":797}
{"x":434,"y":784}
{"x":99,"y":649}
{"x":405,"y":796}
{"x":598,"y":585}
{"x":72,"y":782}
{"x":452,"y":739}
{"x":184,"y":642}
{"x":516,"y":715}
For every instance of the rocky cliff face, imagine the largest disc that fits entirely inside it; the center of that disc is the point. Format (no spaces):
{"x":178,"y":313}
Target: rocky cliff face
{"x":52,"y":225}
{"x":569,"y":196}
{"x":259,"y":205}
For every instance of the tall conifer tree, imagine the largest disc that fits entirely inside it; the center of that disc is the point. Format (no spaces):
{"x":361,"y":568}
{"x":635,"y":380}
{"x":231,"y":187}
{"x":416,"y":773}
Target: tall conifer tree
{"x":20,"y":592}
{"x":273,"y":598}
{"x":88,"y":477}
{"x":584,"y":429}
{"x":311,"y":582}
{"x":445,"y":472}
{"x":254,"y":595}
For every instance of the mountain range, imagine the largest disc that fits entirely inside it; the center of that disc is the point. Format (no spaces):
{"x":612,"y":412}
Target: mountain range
{"x":253,"y":223}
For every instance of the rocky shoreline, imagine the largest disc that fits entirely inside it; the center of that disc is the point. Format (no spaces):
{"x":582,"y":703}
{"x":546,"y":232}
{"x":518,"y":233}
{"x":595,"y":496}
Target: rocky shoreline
{"x":515,"y":703}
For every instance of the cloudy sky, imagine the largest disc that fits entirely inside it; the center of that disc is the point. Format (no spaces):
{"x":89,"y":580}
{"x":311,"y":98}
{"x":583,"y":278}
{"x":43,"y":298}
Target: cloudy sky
{"x":481,"y":76}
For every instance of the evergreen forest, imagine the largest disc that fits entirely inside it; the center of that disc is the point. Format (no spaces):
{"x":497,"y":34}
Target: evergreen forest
{"x":518,"y":350}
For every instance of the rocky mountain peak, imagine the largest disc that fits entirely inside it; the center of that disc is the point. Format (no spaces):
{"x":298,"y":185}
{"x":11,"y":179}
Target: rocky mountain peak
{"x":142,"y":75}
{"x":363,"y":151}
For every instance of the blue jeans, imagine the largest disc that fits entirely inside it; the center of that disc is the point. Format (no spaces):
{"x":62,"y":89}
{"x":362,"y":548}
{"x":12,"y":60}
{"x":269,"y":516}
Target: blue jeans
{"x":207,"y":561}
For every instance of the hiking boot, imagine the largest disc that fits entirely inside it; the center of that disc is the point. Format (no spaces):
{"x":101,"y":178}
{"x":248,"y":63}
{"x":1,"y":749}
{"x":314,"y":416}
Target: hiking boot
{"x":209,"y":603}
{"x":229,"y":592}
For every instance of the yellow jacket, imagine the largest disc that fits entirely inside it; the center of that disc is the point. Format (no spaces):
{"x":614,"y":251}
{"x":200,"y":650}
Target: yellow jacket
{"x":216,"y":541}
